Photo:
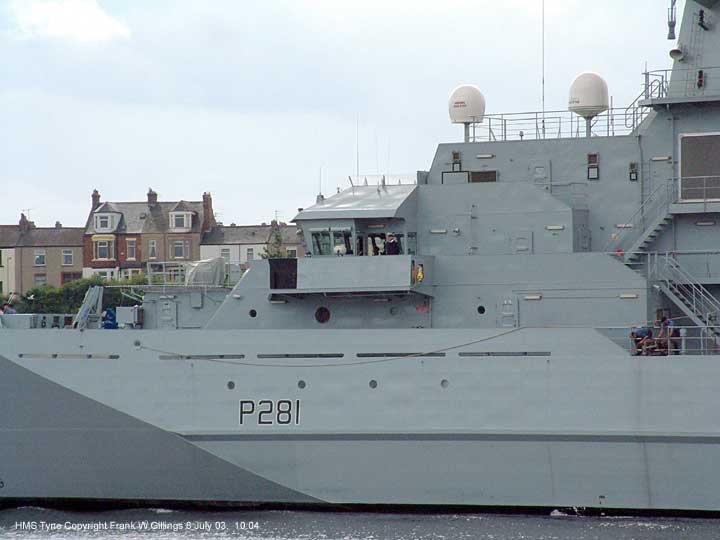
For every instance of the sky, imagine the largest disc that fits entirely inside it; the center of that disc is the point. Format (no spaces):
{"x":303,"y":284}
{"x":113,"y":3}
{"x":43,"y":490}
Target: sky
{"x":265,"y":103}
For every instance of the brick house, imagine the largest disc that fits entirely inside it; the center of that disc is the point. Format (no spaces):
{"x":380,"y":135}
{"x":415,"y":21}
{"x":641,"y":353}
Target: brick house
{"x":32,"y":256}
{"x":122,"y":237}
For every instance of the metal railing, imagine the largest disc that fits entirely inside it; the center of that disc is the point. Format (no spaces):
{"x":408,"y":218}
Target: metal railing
{"x":537,"y":125}
{"x":665,"y":268}
{"x":670,"y":83}
{"x":690,"y":340}
{"x":699,"y":189}
{"x":650,"y":212}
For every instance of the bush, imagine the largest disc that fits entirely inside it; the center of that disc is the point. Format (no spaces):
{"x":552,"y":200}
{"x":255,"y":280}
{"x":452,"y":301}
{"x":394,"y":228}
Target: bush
{"x":69,"y":297}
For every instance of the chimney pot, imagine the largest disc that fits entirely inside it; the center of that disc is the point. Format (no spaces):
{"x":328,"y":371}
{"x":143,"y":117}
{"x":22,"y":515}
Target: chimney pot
{"x":152,"y":197}
{"x":95,"y":199}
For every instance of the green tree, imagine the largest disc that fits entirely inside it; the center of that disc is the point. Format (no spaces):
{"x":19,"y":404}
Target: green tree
{"x":275,"y":241}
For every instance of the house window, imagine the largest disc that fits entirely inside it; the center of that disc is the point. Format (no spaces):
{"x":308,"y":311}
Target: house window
{"x":103,"y":250}
{"x":103,"y":222}
{"x":225,"y":254}
{"x":178,"y":249}
{"x":152,"y":249}
{"x":39,"y":257}
{"x":180,"y":220}
{"x":131,"y":255}
{"x":67,"y":257}
{"x":291,"y":252}
{"x":67,"y":277}
{"x":40,"y":279}
{"x":250,"y":254}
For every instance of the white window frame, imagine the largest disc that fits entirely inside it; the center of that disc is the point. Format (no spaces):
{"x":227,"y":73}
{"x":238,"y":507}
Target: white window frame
{"x":109,"y":246}
{"x":290,"y":250}
{"x":152,"y":249}
{"x":131,"y":242}
{"x":182,"y":249}
{"x":99,"y":227}
{"x":65,"y":253}
{"x":187,"y":221}
{"x":44,"y":281}
{"x":225,"y":254}
{"x":40,"y":257}
{"x":250,"y":254}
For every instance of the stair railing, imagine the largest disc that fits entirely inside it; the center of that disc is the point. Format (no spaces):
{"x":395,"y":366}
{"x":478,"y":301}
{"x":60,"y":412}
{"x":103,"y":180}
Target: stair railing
{"x":664,"y":267}
{"x":654,"y":206}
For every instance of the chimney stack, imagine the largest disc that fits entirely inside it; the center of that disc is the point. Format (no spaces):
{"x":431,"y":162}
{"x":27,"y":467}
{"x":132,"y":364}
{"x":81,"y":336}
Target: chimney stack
{"x":95,"y":199}
{"x":58,"y":225}
{"x":151,"y":196}
{"x":208,"y":212}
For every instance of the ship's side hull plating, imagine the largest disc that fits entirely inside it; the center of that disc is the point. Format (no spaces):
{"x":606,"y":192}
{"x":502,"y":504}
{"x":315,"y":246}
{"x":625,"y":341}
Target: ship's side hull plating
{"x":521,"y":421}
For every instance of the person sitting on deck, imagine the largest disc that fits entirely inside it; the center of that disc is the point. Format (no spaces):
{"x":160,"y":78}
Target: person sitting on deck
{"x":640,"y":337}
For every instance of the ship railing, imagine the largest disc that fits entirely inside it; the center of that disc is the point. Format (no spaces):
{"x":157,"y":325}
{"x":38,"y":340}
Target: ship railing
{"x":26,"y":321}
{"x":655,"y":206}
{"x":380,"y":179}
{"x":691,"y":340}
{"x":698,"y":189}
{"x":676,"y":83}
{"x":537,"y":125}
{"x":665,"y":268}
{"x":169,"y":274}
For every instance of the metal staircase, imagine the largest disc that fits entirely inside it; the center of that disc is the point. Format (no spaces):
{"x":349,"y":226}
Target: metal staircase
{"x":689,"y":295}
{"x":631,"y":246}
{"x":645,"y":225}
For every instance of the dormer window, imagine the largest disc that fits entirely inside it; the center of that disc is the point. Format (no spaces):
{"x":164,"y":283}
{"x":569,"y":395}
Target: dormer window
{"x":104,"y":222}
{"x":180,"y":221}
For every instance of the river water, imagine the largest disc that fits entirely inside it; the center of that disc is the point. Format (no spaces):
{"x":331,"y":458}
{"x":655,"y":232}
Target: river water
{"x":30,"y":523}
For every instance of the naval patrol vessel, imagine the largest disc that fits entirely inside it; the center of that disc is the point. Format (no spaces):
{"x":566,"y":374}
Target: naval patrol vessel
{"x":481,"y":358}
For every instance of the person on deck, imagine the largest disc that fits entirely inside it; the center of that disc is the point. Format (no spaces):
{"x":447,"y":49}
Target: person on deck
{"x":667,"y":335}
{"x":640,"y":338}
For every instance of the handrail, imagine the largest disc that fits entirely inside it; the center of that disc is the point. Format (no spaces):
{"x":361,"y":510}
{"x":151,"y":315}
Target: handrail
{"x":654,"y":205}
{"x":666,"y":268}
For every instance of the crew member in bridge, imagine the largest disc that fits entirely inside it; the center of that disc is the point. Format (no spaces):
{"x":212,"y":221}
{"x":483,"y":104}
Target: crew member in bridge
{"x":392,"y":247}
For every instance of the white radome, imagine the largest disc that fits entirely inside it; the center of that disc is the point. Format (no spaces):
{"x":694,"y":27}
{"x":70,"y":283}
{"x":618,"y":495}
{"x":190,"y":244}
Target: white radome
{"x":466,"y":105}
{"x":588,"y":95}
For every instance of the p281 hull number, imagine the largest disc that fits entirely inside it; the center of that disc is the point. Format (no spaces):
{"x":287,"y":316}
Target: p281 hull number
{"x":269,"y":412}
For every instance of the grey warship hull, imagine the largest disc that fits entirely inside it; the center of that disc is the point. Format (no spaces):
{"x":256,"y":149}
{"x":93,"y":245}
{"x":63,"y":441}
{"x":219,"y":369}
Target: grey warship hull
{"x":485,"y":360}
{"x":525,"y":421}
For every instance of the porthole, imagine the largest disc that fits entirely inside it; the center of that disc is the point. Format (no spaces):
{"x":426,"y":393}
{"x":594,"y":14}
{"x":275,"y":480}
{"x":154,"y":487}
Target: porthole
{"x":137,"y":343}
{"x":322,"y":315}
{"x":481,"y":310}
{"x":444,"y":383}
{"x":253,"y":313}
{"x":301,"y":384}
{"x":230,"y":385}
{"x":373,"y":384}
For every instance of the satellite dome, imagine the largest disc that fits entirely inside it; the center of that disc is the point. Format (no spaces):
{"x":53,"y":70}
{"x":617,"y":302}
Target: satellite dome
{"x":340,"y":250}
{"x":466,"y":105}
{"x":588,"y":95}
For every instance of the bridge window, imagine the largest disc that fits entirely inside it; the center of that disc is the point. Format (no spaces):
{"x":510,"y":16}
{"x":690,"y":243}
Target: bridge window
{"x":321,"y":242}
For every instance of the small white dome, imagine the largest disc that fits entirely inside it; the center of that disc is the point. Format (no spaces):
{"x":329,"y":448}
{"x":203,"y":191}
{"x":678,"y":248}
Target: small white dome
{"x":466,"y":105}
{"x":588,"y":95}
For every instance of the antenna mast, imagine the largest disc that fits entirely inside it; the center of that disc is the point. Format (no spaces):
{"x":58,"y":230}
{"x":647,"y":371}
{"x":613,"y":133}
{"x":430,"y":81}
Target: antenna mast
{"x":543,"y":68}
{"x":357,"y":145}
{"x":672,"y":19}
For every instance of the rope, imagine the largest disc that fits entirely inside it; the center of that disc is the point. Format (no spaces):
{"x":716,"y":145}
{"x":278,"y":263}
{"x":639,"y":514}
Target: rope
{"x":338,"y":364}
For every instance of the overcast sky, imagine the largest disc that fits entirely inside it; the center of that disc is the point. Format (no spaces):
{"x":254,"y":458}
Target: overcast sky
{"x":250,"y":99}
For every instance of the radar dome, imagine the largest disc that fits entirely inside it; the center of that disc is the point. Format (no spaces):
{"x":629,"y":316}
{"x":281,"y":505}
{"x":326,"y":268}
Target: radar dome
{"x":466,"y":105}
{"x":588,"y":95}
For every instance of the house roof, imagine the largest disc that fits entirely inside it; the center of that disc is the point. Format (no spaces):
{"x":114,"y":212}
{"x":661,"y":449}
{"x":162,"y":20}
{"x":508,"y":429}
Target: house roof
{"x":12,"y":236}
{"x":141,"y":217}
{"x":237,"y":234}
